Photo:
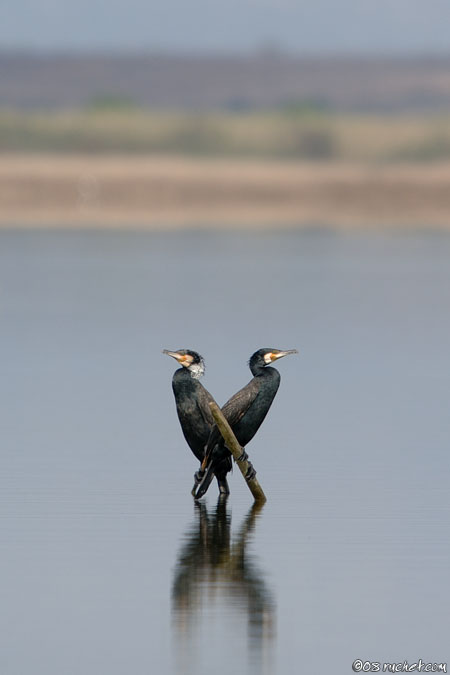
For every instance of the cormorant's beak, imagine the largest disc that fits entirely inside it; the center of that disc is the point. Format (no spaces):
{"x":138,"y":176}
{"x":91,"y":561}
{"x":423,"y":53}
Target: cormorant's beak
{"x":183,"y":359}
{"x":279,"y":354}
{"x":175,"y":355}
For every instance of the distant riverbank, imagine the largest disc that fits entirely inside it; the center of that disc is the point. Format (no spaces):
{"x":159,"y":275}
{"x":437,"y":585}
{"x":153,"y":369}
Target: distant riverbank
{"x":174,"y":192}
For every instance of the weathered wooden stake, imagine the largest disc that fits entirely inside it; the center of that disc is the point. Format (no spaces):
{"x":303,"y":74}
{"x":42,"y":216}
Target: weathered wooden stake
{"x":236,"y":450}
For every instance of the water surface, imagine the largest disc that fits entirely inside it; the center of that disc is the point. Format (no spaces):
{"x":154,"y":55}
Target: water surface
{"x":106,"y":564}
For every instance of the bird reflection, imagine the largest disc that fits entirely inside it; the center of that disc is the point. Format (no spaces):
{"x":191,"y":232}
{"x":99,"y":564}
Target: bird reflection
{"x":213,"y":574}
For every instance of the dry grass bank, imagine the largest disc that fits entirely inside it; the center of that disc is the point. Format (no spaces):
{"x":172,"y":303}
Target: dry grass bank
{"x":297,"y":135}
{"x":163,"y":192}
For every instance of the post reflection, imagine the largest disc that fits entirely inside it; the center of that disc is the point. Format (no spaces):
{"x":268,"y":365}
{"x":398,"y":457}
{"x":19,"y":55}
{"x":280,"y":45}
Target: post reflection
{"x":213,"y":575}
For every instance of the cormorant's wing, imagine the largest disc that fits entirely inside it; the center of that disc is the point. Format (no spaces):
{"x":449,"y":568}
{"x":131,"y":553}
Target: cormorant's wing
{"x":233,"y":410}
{"x":236,"y":407}
{"x":203,"y":400}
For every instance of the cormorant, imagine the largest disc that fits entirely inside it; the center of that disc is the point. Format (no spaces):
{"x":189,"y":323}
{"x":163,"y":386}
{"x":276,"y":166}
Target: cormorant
{"x":192,"y":401}
{"x":245,"y":411}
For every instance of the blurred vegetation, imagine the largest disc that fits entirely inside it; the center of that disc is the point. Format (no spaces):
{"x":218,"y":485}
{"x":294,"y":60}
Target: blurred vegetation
{"x":109,"y":102}
{"x":296,"y":132}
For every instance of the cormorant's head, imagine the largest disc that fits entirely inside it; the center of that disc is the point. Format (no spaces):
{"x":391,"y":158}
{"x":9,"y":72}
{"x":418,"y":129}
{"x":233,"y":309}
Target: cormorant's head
{"x":190,"y":360}
{"x":263,"y":357}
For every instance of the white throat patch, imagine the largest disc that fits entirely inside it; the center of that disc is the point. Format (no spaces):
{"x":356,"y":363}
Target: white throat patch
{"x":196,"y":370}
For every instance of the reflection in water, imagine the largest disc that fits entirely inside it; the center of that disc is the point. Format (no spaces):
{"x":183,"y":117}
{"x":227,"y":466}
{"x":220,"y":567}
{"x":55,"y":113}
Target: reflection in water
{"x":214,"y":569}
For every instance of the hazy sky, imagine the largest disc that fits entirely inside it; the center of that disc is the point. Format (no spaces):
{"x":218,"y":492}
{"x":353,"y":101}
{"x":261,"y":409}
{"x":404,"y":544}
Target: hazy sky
{"x":298,"y":25}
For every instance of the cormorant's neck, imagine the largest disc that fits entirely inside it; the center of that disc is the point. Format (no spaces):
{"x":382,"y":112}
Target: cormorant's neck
{"x":196,"y":370}
{"x":188,"y":373}
{"x":258,"y":369}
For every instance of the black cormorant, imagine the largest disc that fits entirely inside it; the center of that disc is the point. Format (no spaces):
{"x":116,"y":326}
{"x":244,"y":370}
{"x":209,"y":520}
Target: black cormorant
{"x":192,"y":401}
{"x":245,"y":411}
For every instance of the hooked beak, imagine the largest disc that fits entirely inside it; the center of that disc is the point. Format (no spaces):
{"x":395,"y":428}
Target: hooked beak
{"x":279,"y":355}
{"x":175,"y":355}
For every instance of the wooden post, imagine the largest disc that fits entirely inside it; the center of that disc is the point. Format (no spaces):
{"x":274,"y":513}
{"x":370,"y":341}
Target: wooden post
{"x":236,"y":450}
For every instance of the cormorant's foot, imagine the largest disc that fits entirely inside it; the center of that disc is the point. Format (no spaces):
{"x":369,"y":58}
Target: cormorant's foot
{"x":224,"y":490}
{"x":198,"y":477}
{"x":205,"y":482}
{"x":243,"y":457}
{"x":251,"y":473}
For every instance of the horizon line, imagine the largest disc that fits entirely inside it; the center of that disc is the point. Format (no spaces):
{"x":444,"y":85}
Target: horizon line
{"x":274,"y":52}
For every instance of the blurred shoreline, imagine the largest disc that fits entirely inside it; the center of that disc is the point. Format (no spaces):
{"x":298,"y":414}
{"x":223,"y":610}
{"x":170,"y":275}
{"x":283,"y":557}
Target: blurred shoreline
{"x":168,"y":192}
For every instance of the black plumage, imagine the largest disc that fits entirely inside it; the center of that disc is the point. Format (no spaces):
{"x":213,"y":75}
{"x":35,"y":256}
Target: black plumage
{"x":192,"y":403}
{"x":245,"y":411}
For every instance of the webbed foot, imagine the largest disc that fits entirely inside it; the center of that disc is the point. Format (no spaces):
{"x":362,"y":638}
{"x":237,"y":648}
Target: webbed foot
{"x":243,"y":457}
{"x":205,"y":482}
{"x":198,"y":477}
{"x":223,"y":486}
{"x":251,"y":472}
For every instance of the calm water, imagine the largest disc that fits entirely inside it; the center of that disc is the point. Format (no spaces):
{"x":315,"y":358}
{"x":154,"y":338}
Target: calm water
{"x":108,"y":567}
